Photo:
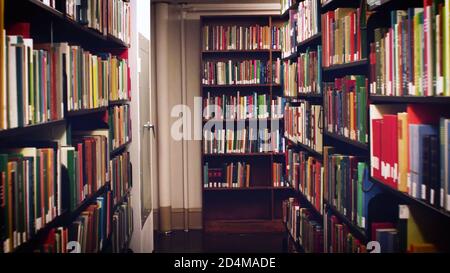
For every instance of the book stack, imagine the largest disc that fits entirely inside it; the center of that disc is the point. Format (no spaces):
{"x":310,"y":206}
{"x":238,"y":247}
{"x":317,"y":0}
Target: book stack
{"x":31,"y":192}
{"x":310,"y":71}
{"x":122,"y":227}
{"x":410,"y":58}
{"x":410,"y":151}
{"x":226,"y":38}
{"x":119,"y":126}
{"x":308,"y":20}
{"x":234,"y":72}
{"x":242,"y":140}
{"x":338,"y":237}
{"x":278,"y":178}
{"x":344,"y":36}
{"x":120,"y":180}
{"x":33,"y":90}
{"x":303,"y":124}
{"x":230,"y":175}
{"x":346,"y":107}
{"x":302,"y":227}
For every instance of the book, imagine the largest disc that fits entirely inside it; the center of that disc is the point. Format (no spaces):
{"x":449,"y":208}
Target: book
{"x":278,"y":177}
{"x":119,"y":121}
{"x":309,"y":71}
{"x":122,"y":228}
{"x":339,"y":239}
{"x":120,"y":176}
{"x":345,"y":102}
{"x":233,"y":72}
{"x":307,"y":20}
{"x":230,"y":175}
{"x":303,"y":124}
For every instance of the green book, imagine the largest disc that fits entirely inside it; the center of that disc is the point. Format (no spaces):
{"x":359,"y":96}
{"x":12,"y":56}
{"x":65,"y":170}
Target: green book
{"x":361,"y":169}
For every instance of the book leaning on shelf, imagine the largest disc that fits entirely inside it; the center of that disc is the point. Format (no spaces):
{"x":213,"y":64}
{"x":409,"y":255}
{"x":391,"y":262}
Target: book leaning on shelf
{"x":119,"y":122}
{"x":234,"y":72}
{"x":410,"y":151}
{"x":241,"y":107}
{"x":120,"y":179}
{"x":302,"y":226}
{"x":303,"y":124}
{"x":346,"y":108}
{"x":242,"y":140}
{"x":226,"y":38}
{"x":344,"y":36}
{"x":411,"y":57}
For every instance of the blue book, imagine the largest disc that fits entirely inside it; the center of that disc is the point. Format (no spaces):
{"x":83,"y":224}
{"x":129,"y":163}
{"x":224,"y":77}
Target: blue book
{"x":369,"y":191}
{"x":417,"y":132}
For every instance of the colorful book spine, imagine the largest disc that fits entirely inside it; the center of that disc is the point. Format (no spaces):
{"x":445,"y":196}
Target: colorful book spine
{"x":309,"y":72}
{"x":235,"y":72}
{"x":120,"y":179}
{"x":119,"y":121}
{"x":308,"y":20}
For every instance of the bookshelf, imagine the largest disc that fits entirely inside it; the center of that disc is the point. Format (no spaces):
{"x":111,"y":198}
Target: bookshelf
{"x":385,"y":200}
{"x":42,"y":24}
{"x":257,"y":206}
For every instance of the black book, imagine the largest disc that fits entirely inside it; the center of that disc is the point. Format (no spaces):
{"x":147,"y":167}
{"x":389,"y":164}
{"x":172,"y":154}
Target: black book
{"x":434,"y":171}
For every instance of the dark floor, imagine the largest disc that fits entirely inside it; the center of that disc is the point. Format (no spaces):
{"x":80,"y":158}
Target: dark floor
{"x":200,"y":242}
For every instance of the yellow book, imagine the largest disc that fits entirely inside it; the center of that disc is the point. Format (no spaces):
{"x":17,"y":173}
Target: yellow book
{"x":95,"y":90}
{"x":403,"y":151}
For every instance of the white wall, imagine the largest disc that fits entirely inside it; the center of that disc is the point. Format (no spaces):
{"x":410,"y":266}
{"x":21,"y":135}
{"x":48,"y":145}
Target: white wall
{"x":142,"y":240}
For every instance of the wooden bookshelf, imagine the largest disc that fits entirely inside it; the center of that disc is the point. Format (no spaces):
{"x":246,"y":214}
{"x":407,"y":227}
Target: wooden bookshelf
{"x":118,"y":102}
{"x":84,"y":112}
{"x":353,"y":144}
{"x":361,"y":64}
{"x":311,"y":41}
{"x":310,"y":150}
{"x":30,"y":129}
{"x":257,"y":207}
{"x":380,"y":99}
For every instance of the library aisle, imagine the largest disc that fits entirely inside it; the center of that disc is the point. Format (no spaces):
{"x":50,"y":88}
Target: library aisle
{"x":273,"y":126}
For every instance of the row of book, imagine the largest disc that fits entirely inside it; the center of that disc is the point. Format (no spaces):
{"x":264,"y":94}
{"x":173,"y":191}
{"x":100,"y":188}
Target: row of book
{"x":338,"y":238}
{"x":242,"y":140}
{"x":278,"y":176}
{"x":34,"y":87}
{"x":230,"y":175}
{"x":120,"y":180}
{"x":234,"y":72}
{"x":119,"y":121}
{"x":410,"y":151}
{"x":411,"y":56}
{"x":288,"y":35}
{"x":87,"y":234}
{"x":305,"y":173}
{"x":301,"y":77}
{"x":347,"y":186}
{"x":241,"y":107}
{"x":307,"y":20}
{"x":227,"y":38}
{"x":345,"y":104}
{"x":344,"y":36}
{"x":303,"y":124}
{"x":306,"y":231}
{"x":122,"y":227}
{"x":107,"y":17}
{"x":286,"y":4}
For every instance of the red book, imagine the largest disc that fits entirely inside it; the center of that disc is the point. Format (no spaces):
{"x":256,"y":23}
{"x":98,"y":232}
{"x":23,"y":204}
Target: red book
{"x":352,"y":37}
{"x":53,"y":111}
{"x":317,"y":181}
{"x":376,"y":148}
{"x":390,"y":148}
{"x":19,"y":29}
